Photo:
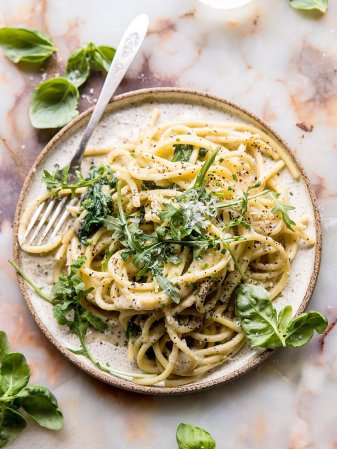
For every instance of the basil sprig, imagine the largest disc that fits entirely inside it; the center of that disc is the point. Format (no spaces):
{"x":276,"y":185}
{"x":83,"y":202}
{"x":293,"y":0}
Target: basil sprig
{"x":265,"y":327}
{"x":309,"y":5}
{"x":82,"y":60}
{"x":22,"y":45}
{"x":193,"y":437}
{"x":15,"y":394}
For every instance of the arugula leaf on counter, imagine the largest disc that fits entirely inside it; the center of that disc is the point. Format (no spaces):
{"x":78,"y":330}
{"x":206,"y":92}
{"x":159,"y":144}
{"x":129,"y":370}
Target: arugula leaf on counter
{"x":308,"y":5}
{"x":35,"y":400}
{"x":267,"y":328}
{"x":22,"y":45}
{"x":54,"y":103}
{"x":193,"y":437}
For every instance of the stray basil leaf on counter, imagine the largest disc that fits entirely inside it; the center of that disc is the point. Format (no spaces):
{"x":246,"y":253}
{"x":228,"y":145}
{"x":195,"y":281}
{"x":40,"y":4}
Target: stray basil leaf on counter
{"x":193,"y":437}
{"x":40,"y":403}
{"x":37,"y":401}
{"x":102,"y":57}
{"x":22,"y":45}
{"x":309,"y":5}
{"x":78,"y":67}
{"x":54,"y":103}
{"x":265,"y":327}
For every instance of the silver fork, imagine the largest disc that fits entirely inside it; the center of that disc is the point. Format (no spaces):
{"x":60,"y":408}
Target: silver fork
{"x":54,"y":212}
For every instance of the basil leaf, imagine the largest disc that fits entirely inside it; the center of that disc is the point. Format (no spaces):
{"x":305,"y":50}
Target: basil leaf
{"x":15,"y":372}
{"x":193,"y":437}
{"x":305,"y":5}
{"x":78,"y":68}
{"x":11,"y":425}
{"x":102,"y":57}
{"x":54,"y":103}
{"x":284,"y":318}
{"x":301,"y":329}
{"x":22,"y":45}
{"x":258,"y":316}
{"x":4,"y":345}
{"x":40,"y":403}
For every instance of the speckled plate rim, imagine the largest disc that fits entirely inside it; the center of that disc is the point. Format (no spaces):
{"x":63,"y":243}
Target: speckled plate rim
{"x":204,"y":383}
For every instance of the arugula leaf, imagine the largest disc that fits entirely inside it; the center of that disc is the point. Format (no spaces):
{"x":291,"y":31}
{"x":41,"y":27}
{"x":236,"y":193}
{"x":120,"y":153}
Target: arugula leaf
{"x":182,"y":152}
{"x":282,"y":209}
{"x":69,"y":291}
{"x":266,"y":328}
{"x":58,"y":180}
{"x":78,"y":67}
{"x":166,"y":285}
{"x":305,"y":5}
{"x":15,"y":372}
{"x":4,"y":346}
{"x":133,"y":329}
{"x":40,"y":403}
{"x":22,"y":45}
{"x":300,"y":330}
{"x":204,"y":169}
{"x":97,"y":203}
{"x":193,"y":437}
{"x":11,"y":424}
{"x":102,"y":57}
{"x":54,"y":103}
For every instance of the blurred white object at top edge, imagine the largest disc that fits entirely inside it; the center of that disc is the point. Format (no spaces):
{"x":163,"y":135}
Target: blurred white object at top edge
{"x":225,"y":4}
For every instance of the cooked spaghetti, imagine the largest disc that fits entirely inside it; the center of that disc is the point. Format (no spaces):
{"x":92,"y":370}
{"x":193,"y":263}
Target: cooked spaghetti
{"x":168,"y":226}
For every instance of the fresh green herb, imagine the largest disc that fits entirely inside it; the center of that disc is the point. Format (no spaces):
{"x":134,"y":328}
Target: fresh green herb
{"x":267,"y":328}
{"x":305,"y":5}
{"x":282,"y":209}
{"x":54,"y":103}
{"x":193,"y":437}
{"x":199,"y":181}
{"x":234,"y":176}
{"x":166,"y":285}
{"x":36,"y":401}
{"x":102,"y":57}
{"x":133,"y":330}
{"x":58,"y":180}
{"x":96,"y":202}
{"x":68,"y":296}
{"x":78,"y":67}
{"x":82,"y":59}
{"x":202,"y":153}
{"x":22,"y":45}
{"x":182,"y":152}
{"x":149,"y":185}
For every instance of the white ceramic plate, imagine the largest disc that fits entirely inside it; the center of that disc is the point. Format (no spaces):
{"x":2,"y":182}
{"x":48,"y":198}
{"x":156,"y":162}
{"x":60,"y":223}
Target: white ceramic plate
{"x":122,"y":120}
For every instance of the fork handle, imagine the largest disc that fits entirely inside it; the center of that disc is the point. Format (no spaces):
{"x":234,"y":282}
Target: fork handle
{"x":125,"y":54}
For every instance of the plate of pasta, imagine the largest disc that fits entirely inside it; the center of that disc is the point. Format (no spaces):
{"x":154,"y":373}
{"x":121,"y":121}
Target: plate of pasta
{"x":189,"y":240}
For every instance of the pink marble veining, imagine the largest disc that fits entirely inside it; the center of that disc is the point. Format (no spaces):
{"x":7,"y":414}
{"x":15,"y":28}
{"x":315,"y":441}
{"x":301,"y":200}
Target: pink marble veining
{"x":276,"y":62}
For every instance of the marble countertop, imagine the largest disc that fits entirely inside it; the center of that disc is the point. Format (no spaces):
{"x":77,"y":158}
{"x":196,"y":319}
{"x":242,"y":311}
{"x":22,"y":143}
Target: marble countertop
{"x":281,"y":65}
